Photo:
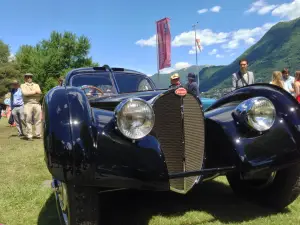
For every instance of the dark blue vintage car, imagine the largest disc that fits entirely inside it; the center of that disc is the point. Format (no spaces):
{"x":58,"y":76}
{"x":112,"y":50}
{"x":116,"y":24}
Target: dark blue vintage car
{"x":109,"y":129}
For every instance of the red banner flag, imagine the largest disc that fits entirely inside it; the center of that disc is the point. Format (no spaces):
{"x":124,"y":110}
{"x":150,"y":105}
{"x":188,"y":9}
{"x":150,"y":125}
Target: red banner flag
{"x":163,"y":36}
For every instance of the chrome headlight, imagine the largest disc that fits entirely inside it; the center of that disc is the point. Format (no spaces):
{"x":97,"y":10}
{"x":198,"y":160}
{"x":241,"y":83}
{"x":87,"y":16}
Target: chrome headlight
{"x":259,"y":113}
{"x":135,"y":118}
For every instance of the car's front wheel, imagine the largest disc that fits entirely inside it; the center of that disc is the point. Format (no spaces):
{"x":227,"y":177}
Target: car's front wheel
{"x":77,"y":205}
{"x":276,"y":190}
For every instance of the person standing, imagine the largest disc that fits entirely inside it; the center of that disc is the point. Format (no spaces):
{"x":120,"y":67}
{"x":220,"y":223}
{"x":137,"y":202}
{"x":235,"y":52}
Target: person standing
{"x":17,"y":107}
{"x":297,"y":86}
{"x":32,"y":108}
{"x":175,"y":81}
{"x":60,"y":81}
{"x":288,"y":81}
{"x":191,"y":85}
{"x":243,"y":77}
{"x":277,"y":79}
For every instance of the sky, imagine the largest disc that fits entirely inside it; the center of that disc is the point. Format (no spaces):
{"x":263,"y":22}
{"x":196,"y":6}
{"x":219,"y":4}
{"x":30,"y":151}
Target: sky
{"x":122,"y":33}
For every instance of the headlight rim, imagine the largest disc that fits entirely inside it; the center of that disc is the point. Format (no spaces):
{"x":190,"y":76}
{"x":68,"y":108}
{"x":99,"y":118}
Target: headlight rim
{"x":243,"y":110}
{"x":119,"y":108}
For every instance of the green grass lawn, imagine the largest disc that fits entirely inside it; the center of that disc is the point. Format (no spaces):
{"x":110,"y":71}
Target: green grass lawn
{"x":26,"y":197}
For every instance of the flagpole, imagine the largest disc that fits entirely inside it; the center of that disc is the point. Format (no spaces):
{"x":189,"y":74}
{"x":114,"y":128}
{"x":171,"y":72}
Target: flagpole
{"x":157,"y":55}
{"x":194,"y":26}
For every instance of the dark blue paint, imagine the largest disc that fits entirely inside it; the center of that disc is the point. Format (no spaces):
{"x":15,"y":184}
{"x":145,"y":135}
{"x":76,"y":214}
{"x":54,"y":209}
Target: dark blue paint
{"x":83,"y":147}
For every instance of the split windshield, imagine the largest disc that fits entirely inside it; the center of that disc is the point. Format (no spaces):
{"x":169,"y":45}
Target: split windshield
{"x":126,"y":82}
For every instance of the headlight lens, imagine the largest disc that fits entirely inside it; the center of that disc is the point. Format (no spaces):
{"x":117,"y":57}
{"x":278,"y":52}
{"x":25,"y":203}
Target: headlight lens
{"x":259,"y":113}
{"x":135,"y":118}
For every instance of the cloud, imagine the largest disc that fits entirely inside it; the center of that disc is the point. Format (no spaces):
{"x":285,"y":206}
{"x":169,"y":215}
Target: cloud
{"x":232,"y":54}
{"x":266,"y":9}
{"x":216,"y":9}
{"x":181,"y":65}
{"x":148,"y":42}
{"x":213,"y":52}
{"x":219,"y":56}
{"x":201,"y":11}
{"x":288,"y":10}
{"x":228,"y":40}
{"x":167,"y":70}
{"x":261,"y":7}
{"x":177,"y":66}
{"x":255,"y":6}
{"x":233,"y":44}
{"x":193,"y":50}
{"x":207,"y":37}
{"x":250,"y":41}
{"x":246,"y":35}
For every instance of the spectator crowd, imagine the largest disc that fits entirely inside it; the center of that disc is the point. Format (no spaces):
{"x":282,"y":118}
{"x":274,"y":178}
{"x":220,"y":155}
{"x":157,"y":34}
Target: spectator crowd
{"x":23,"y":109}
{"x":243,"y":77}
{"x":282,"y":79}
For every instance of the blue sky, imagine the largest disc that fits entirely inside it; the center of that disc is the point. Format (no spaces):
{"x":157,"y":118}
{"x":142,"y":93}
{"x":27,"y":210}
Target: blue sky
{"x":122,"y":32}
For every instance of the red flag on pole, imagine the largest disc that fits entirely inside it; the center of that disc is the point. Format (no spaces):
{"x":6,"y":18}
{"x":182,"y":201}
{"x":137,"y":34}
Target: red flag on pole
{"x":199,"y":44}
{"x":163,"y":36}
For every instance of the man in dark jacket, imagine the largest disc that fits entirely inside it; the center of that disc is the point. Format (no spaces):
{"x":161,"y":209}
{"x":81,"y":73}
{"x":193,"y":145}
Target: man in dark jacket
{"x":192,"y":86}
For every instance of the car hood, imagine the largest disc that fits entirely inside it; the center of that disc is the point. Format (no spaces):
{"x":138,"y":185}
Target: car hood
{"x":145,"y":95}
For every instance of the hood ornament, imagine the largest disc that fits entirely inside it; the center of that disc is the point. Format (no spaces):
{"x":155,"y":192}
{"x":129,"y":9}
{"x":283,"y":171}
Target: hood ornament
{"x":181,"y":92}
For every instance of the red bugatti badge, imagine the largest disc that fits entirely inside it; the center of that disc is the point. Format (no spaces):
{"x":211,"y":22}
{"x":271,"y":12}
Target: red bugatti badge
{"x":181,"y":92}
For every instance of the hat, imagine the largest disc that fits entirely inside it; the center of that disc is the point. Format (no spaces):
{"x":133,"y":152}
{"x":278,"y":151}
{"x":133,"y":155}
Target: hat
{"x":191,"y":75}
{"x":175,"y":76}
{"x":28,"y":74}
{"x":14,"y":82}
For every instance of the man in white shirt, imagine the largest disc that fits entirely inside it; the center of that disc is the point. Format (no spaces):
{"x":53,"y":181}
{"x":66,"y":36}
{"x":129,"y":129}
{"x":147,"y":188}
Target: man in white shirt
{"x":288,"y":81}
{"x":243,"y":77}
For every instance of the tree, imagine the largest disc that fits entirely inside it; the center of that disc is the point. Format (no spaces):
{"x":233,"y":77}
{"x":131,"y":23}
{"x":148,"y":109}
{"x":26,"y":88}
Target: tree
{"x":8,"y":70}
{"x":51,"y":58}
{"x":4,"y":52}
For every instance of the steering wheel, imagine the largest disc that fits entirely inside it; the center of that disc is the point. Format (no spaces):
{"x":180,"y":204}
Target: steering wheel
{"x":92,"y":87}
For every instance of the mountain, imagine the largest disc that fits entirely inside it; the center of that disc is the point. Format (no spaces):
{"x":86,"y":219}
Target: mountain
{"x":204,"y":72}
{"x":277,"y":49}
{"x":163,"y":80}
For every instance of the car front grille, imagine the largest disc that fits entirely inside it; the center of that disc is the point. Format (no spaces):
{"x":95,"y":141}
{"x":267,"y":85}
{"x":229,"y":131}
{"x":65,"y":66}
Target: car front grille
{"x":181,"y":136}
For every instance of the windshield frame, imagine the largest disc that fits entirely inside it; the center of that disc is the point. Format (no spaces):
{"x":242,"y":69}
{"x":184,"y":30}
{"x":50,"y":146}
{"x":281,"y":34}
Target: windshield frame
{"x":96,"y":73}
{"x":111,"y":74}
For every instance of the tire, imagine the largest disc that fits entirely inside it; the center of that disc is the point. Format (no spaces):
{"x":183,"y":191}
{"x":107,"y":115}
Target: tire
{"x":280,"y":192}
{"x":81,"y":205}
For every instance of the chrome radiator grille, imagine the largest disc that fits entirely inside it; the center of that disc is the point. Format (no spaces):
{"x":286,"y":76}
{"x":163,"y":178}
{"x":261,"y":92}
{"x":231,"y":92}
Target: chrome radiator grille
{"x":181,"y":136}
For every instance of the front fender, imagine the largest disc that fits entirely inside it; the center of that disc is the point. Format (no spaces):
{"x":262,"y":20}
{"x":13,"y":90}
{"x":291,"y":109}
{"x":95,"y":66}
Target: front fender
{"x":83,"y":147}
{"x":68,"y":139}
{"x":228,"y":144}
{"x":57,"y":133}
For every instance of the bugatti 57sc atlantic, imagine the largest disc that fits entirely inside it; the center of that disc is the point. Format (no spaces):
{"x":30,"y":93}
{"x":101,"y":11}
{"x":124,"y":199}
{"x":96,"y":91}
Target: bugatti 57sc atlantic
{"x":109,"y":129}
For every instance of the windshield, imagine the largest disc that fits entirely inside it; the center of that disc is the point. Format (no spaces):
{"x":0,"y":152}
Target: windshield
{"x":132,"y":82}
{"x":101,"y":84}
{"x":94,"y":84}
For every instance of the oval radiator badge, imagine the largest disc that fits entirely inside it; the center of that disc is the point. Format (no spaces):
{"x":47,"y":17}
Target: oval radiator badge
{"x":181,"y":91}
